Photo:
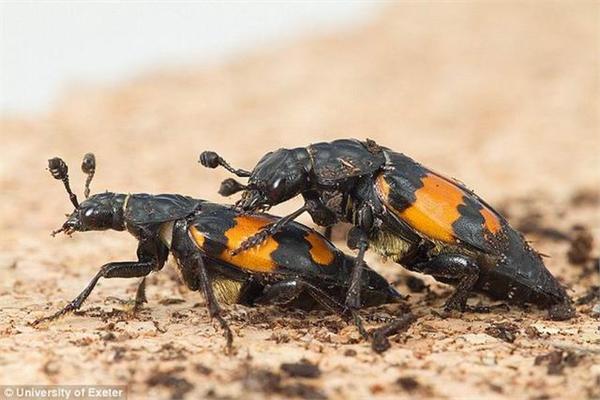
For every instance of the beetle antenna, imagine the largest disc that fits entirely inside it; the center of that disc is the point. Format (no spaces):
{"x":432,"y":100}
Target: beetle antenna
{"x":88,"y":166}
{"x":59,"y":170}
{"x":230,"y":186}
{"x":210,"y":159}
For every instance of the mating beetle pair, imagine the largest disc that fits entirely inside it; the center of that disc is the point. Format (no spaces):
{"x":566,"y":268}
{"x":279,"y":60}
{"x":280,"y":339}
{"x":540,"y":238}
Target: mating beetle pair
{"x":295,"y":266}
{"x":420,"y":219}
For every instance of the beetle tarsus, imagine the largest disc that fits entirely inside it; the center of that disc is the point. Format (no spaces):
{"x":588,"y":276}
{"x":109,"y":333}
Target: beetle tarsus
{"x":268,"y":231}
{"x":70,"y":307}
{"x":140,"y":296}
{"x":252,"y":241}
{"x":227,"y":333}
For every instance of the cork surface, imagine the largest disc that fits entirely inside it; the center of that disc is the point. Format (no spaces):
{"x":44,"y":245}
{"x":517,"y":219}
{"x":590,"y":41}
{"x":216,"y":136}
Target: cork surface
{"x":501,"y":96}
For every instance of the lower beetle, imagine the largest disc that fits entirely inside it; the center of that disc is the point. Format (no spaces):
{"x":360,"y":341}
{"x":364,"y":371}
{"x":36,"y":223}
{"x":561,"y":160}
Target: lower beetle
{"x":420,"y":219}
{"x":296,"y":265}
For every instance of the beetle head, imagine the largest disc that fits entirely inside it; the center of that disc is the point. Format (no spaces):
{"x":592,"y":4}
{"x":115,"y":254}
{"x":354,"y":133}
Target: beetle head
{"x":277,"y":177}
{"x":98,"y":212}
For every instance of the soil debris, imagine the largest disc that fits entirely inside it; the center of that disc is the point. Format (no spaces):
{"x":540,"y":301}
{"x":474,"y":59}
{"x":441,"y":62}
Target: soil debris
{"x":581,"y":246}
{"x":416,"y":285}
{"x":557,"y":360}
{"x":533,"y":224}
{"x":380,"y":342}
{"x":592,"y":294}
{"x":202,"y":369}
{"x":302,"y":369}
{"x":171,"y":352}
{"x":585,"y":197}
{"x":177,"y":385}
{"x":170,"y":301}
{"x":504,"y":331}
{"x":264,"y":381}
{"x":408,"y":383}
{"x":350,"y":353}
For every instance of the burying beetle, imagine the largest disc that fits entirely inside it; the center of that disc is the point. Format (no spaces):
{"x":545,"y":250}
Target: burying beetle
{"x":296,"y":266}
{"x":408,"y":213}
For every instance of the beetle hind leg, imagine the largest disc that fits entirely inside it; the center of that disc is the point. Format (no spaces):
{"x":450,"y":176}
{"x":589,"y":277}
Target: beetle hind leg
{"x":357,"y":239}
{"x":455,"y":267}
{"x":199,"y":274}
{"x":281,"y":293}
{"x":285,"y":291}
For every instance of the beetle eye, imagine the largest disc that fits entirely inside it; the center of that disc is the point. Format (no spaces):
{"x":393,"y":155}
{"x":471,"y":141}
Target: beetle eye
{"x":89,"y":212}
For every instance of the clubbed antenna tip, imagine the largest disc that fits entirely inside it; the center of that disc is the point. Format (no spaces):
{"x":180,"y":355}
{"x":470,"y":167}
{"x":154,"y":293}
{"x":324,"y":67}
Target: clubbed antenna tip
{"x":59,"y":170}
{"x":88,"y":166}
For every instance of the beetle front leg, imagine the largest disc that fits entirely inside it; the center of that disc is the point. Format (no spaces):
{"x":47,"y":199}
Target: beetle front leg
{"x":124,"y":269}
{"x":458,"y":267}
{"x":318,"y":211}
{"x":268,"y":231}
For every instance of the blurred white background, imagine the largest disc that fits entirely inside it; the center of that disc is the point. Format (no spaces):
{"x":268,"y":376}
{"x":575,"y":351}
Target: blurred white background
{"x":46,"y":46}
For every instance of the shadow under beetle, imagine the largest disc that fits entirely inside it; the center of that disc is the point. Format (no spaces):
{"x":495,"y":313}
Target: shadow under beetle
{"x":296,"y":266}
{"x":420,"y":219}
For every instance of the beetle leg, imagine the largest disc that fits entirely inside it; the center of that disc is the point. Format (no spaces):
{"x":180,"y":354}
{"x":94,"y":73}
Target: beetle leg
{"x":195,"y":275}
{"x":214,"y":311}
{"x":210,"y":159}
{"x":334,"y":306}
{"x":320,"y":214}
{"x":281,"y":293}
{"x":124,"y":269}
{"x":357,"y":239}
{"x":318,"y":211}
{"x":286,"y":291}
{"x":140,"y":296}
{"x":455,"y":267}
{"x":328,"y":232}
{"x":268,"y":231}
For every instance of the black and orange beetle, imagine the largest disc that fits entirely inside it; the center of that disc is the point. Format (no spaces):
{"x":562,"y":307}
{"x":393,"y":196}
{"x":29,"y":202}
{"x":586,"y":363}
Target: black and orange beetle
{"x":418,"y":218}
{"x":296,"y":266}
